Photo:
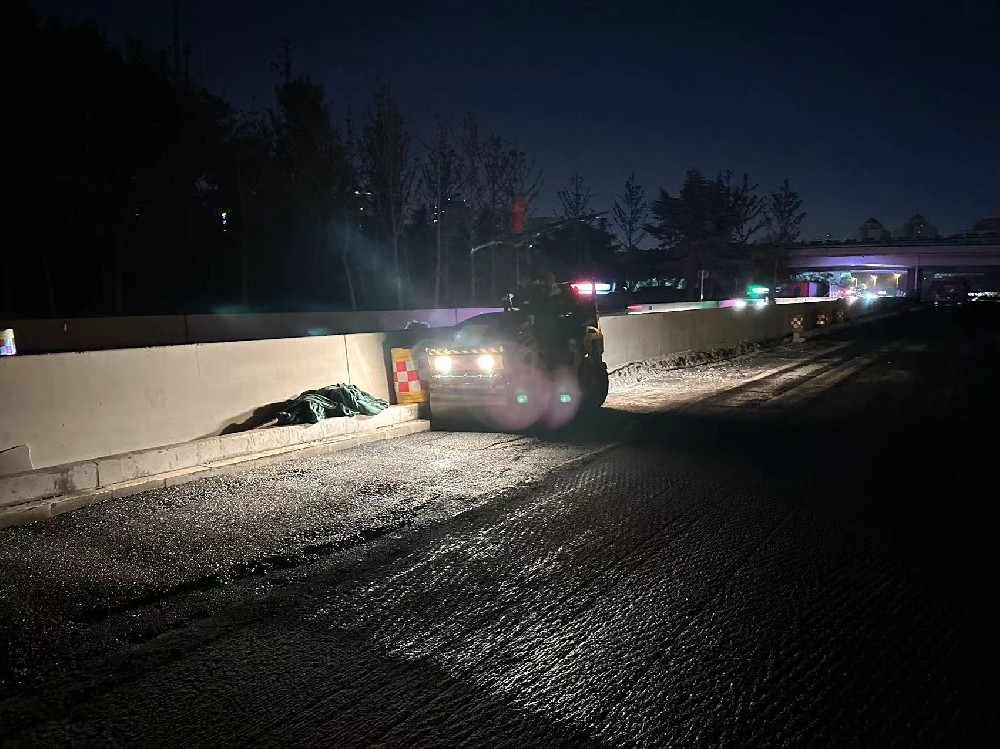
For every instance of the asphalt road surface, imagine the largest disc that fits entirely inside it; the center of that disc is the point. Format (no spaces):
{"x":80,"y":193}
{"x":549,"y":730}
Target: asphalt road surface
{"x":795,"y":547}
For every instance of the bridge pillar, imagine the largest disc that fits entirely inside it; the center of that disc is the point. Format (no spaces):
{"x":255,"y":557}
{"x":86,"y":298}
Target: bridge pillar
{"x":913,"y":283}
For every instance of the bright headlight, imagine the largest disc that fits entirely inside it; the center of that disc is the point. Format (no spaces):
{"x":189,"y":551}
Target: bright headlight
{"x":486,"y":362}
{"x":442,"y":363}
{"x":740,"y":303}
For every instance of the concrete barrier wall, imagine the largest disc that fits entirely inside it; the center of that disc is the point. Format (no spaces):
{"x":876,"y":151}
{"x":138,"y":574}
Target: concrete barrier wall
{"x":69,"y":407}
{"x":77,"y":406}
{"x":103,"y":333}
{"x":629,"y":338}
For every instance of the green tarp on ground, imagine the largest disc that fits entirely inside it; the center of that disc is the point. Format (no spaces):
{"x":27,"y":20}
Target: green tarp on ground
{"x":328,"y":402}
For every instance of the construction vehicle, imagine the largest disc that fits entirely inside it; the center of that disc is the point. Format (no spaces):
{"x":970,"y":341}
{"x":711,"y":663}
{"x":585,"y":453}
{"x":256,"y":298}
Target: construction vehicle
{"x":950,"y":292}
{"x":539,"y":363}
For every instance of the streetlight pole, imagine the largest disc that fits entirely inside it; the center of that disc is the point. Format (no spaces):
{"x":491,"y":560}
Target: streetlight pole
{"x":472,"y":254}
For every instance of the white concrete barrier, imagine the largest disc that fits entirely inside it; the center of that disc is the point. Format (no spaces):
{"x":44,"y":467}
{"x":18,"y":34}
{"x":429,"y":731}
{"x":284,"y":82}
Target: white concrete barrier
{"x":72,"y":407}
{"x":629,"y":338}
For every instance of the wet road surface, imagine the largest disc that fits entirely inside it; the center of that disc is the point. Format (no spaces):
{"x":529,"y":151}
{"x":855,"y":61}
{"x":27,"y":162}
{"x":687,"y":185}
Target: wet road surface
{"x":787,"y":548}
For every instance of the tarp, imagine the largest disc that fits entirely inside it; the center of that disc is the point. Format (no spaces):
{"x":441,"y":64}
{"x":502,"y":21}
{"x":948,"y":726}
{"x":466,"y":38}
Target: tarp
{"x":331,"y":401}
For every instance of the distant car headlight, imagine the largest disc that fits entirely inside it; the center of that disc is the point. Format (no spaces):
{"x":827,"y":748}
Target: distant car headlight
{"x":740,"y":303}
{"x":486,"y":362}
{"x":442,"y":364}
{"x":761,"y":304}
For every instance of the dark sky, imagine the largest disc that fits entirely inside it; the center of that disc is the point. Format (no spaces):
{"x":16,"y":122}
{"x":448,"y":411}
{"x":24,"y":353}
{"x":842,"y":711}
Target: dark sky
{"x":870,"y":109}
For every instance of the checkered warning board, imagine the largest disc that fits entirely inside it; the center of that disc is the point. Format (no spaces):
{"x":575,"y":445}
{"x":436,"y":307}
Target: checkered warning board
{"x":409,"y":380}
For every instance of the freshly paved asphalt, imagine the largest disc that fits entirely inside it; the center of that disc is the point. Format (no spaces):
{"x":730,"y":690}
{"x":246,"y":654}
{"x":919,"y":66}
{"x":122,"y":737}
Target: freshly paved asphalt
{"x":804,"y":555}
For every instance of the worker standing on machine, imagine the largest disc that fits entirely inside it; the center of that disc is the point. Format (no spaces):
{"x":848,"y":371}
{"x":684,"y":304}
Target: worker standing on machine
{"x":550,"y":306}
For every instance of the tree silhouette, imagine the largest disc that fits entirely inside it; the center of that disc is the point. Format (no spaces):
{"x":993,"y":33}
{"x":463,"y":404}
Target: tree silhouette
{"x":312,"y":179}
{"x":749,"y":209}
{"x":440,"y":185}
{"x":784,"y":217}
{"x":784,"y":214}
{"x":630,"y":213}
{"x":141,"y":192}
{"x":390,"y":173}
{"x":695,"y":227}
{"x":523,"y":183}
{"x":575,"y":198}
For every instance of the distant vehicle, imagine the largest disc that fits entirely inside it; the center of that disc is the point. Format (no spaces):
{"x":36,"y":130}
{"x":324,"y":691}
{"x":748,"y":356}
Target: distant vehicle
{"x":950,"y":293}
{"x":804,"y":289}
{"x":757,"y":295}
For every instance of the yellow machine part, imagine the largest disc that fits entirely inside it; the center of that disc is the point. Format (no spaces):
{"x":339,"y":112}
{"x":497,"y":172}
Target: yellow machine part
{"x":593,"y":341}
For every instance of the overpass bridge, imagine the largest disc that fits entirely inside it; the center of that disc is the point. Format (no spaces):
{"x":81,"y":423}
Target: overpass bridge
{"x":915,"y":259}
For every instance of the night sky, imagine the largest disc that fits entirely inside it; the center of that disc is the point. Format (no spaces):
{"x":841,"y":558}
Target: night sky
{"x":870,"y":109}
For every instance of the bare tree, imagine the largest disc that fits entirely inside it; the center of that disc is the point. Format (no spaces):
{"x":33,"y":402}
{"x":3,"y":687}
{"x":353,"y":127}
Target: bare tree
{"x":523,"y":179}
{"x":784,"y":214}
{"x":523,"y":182}
{"x":575,"y":199}
{"x":350,"y":208}
{"x":784,"y":219}
{"x":749,"y":208}
{"x":496,"y":168}
{"x":508,"y":175}
{"x":470,"y":181}
{"x":630,"y":213}
{"x":389,"y":172}
{"x":492,"y":176}
{"x":440,"y":182}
